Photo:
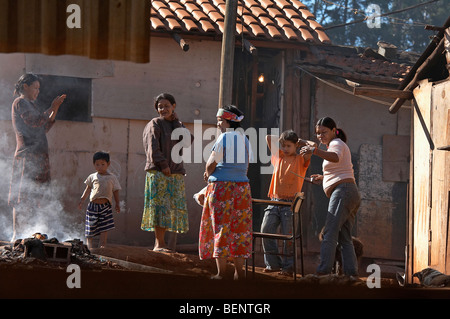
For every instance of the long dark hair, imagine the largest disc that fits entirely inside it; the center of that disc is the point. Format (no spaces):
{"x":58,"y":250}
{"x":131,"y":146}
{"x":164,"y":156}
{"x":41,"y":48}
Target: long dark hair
{"x":28,"y":79}
{"x":331,"y":124}
{"x":235,"y":110}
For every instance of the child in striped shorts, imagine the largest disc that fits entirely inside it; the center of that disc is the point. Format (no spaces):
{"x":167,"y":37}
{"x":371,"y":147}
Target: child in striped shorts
{"x":101,"y":187}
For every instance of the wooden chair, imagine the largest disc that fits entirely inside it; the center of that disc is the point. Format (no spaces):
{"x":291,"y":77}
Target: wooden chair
{"x":296,"y":205}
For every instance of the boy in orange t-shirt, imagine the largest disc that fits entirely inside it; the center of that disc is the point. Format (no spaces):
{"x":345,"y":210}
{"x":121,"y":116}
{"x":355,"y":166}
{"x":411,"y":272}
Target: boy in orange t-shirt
{"x":283,"y":187}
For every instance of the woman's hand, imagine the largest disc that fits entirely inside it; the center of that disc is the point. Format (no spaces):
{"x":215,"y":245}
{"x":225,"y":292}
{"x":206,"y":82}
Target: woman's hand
{"x":205,"y":176}
{"x":58,"y":101}
{"x":166,"y":171}
{"x":307,"y":150}
{"x":55,"y":106}
{"x":316,"y":179}
{"x":301,"y":142}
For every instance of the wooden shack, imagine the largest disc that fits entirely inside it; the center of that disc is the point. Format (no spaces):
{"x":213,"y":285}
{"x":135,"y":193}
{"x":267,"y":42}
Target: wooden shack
{"x":428,"y":235}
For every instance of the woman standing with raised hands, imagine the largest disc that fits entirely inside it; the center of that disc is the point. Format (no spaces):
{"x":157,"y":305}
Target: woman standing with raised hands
{"x":30,"y":177}
{"x":339,"y":185}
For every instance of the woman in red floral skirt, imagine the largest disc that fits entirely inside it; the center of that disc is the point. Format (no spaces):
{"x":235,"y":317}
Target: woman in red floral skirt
{"x":226,"y":224}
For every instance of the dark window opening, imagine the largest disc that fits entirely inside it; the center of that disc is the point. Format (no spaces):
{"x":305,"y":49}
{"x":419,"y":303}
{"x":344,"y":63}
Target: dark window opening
{"x":77,"y":106}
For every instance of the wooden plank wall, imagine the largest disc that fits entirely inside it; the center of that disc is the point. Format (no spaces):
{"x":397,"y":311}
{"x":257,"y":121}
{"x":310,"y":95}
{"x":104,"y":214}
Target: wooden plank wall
{"x":440,"y":174}
{"x":110,"y":29}
{"x":431,"y":174}
{"x":447,"y":187}
{"x":298,"y":117}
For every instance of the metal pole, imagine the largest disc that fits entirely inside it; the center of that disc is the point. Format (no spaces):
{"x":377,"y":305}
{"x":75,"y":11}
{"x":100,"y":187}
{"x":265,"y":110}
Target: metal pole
{"x":227,"y":57}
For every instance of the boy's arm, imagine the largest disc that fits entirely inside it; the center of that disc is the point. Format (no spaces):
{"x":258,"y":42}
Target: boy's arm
{"x":116,"y":199}
{"x":86,"y":193}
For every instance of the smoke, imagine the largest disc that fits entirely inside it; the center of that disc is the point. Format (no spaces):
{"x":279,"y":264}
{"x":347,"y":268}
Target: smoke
{"x":6,"y":94}
{"x":47,"y":214}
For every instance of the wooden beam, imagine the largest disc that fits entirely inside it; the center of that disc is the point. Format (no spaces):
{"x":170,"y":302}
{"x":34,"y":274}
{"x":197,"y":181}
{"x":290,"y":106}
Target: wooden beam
{"x":227,"y":56}
{"x":397,"y":94}
{"x":444,"y":148}
{"x":250,"y":47}
{"x":419,"y":74}
{"x":181,"y":42}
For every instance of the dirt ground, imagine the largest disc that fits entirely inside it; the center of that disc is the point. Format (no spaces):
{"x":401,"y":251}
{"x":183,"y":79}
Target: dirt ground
{"x":145,"y":274}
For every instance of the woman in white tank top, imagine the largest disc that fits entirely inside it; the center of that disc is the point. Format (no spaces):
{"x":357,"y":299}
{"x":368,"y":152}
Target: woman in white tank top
{"x":339,"y":185}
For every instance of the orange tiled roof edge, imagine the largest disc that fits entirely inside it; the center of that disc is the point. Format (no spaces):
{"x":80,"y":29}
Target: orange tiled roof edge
{"x":271,"y":20}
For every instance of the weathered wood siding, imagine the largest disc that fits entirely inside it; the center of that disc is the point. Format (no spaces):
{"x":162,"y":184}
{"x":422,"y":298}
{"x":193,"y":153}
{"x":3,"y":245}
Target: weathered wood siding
{"x":431,"y":176}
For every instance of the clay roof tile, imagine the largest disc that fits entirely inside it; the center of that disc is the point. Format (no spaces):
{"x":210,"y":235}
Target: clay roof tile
{"x":199,"y":15}
{"x":158,"y":5}
{"x":173,"y":24}
{"x":216,"y":16}
{"x":290,"y":34}
{"x":306,"y":35}
{"x":290,"y":13}
{"x":266,"y":3}
{"x":273,"y":12}
{"x":256,"y":30}
{"x":306,"y":14}
{"x":258,"y":11}
{"x":190,"y":25}
{"x":174,"y":6}
{"x":207,"y":26}
{"x":250,"y":3}
{"x":282,"y":22}
{"x":265,"y":21}
{"x":273,"y":31}
{"x":156,"y":23}
{"x":299,"y":23}
{"x":298,"y":4}
{"x":323,"y":37}
{"x":282,"y":3}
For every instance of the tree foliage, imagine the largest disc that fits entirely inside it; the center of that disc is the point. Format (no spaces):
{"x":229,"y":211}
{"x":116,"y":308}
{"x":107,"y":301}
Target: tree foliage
{"x":404,"y":29}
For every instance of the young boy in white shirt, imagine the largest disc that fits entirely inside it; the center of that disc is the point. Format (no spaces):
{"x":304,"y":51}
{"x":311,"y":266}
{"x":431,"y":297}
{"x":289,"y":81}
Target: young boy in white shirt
{"x":101,"y":187}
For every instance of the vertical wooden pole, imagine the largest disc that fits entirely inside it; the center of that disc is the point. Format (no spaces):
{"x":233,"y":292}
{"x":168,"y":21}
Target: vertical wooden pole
{"x":409,"y":258}
{"x":227,"y":56}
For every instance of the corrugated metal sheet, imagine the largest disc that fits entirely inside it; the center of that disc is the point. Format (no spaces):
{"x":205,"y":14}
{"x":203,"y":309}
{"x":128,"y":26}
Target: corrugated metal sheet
{"x":110,"y":29}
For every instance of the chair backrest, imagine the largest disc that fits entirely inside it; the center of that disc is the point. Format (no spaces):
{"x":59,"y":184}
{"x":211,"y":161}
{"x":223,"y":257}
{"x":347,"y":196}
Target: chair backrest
{"x":297,"y":203}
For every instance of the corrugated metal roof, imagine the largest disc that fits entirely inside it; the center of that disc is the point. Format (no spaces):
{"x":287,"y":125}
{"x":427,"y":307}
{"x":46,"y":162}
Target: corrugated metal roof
{"x":110,"y":29}
{"x":120,"y":29}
